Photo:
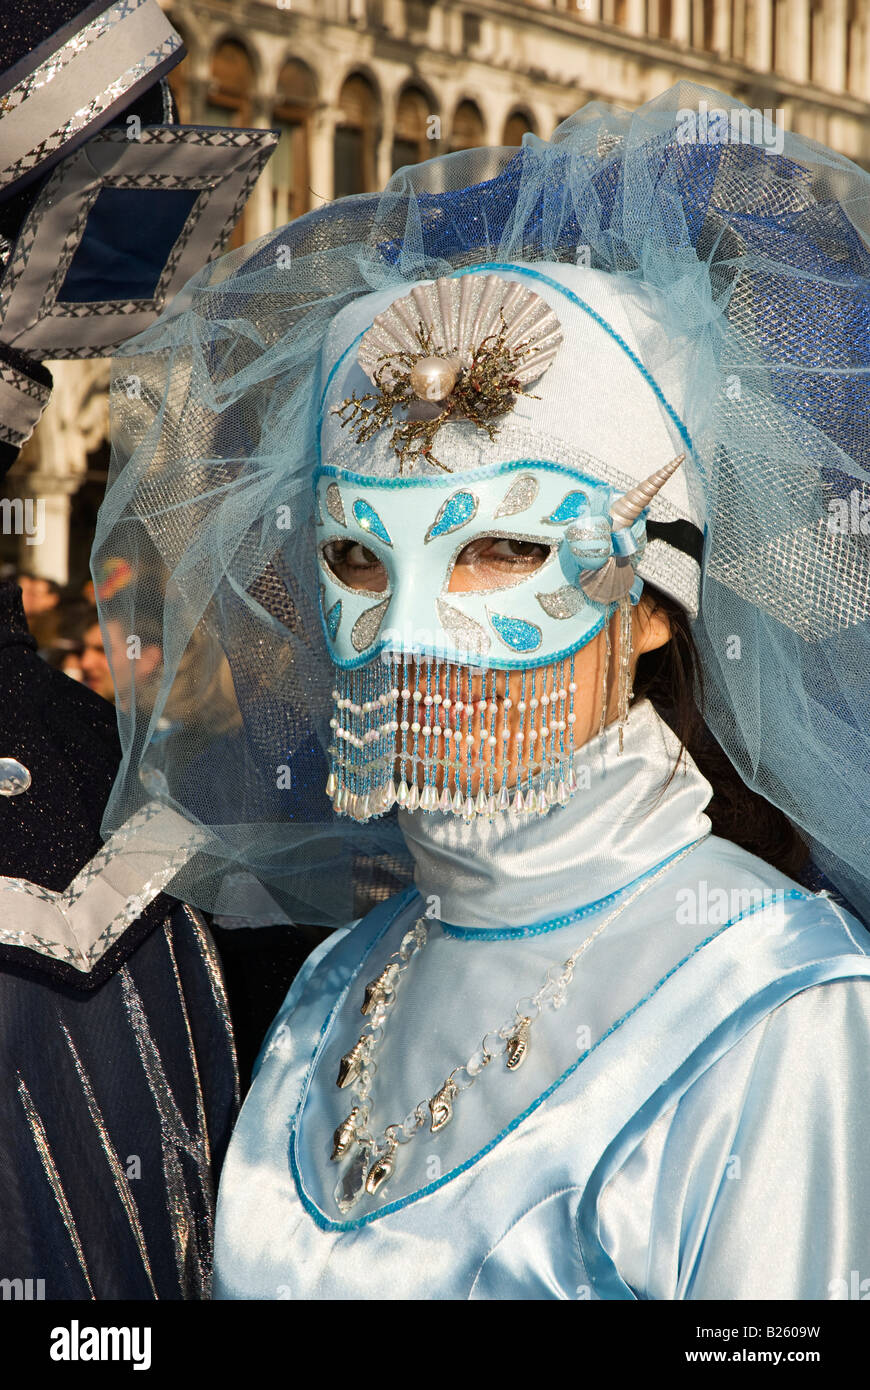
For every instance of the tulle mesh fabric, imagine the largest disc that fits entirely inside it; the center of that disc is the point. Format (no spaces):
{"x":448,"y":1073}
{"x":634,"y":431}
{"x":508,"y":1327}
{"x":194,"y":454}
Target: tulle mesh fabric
{"x":763,"y":262}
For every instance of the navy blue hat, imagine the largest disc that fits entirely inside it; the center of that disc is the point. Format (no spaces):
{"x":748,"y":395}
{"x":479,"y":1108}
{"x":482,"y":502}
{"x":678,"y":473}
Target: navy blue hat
{"x":95,"y":241}
{"x":66,"y":68}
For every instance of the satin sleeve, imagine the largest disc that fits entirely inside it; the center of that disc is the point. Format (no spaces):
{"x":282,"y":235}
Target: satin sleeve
{"x":757,"y":1183}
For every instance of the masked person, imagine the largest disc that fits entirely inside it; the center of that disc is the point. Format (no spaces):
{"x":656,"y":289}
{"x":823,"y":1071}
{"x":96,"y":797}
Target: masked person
{"x":484,"y":485}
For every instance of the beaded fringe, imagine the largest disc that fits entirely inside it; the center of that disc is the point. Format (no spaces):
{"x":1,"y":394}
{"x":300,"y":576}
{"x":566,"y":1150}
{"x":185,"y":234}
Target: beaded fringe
{"x":401,"y":719}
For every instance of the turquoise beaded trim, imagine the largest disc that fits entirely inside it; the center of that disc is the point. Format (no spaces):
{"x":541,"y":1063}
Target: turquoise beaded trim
{"x":568,"y":920}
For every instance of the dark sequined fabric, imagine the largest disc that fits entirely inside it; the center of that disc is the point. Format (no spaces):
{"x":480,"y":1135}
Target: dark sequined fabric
{"x":118,"y":1090}
{"x":66,"y":736}
{"x":116,"y":1107}
{"x":26,"y":24}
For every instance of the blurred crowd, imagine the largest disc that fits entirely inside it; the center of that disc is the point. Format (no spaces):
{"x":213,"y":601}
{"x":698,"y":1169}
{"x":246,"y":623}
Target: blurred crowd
{"x":66,"y":628}
{"x":119,"y":665}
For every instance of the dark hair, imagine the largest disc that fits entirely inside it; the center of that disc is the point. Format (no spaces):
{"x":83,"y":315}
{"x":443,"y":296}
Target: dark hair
{"x":53,"y":586}
{"x":671,"y":679}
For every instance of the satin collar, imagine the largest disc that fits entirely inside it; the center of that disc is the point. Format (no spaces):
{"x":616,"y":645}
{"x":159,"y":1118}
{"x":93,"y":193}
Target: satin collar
{"x":516,"y":870}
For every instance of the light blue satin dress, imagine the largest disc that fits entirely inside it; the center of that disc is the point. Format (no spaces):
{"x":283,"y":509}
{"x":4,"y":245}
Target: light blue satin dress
{"x":692,"y":1123}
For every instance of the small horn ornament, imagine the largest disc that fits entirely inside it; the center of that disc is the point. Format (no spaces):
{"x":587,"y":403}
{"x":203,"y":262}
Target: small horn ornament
{"x":614,"y":579}
{"x":628,"y":508}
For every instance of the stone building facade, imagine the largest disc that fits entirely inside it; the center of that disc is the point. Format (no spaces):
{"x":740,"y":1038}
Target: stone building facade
{"x":359,"y":88}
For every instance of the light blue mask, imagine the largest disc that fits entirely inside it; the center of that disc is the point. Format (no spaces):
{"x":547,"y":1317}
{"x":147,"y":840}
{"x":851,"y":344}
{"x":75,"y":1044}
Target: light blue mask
{"x":418,"y":528}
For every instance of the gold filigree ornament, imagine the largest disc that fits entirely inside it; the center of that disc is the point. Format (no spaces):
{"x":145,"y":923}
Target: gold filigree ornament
{"x":453,"y":349}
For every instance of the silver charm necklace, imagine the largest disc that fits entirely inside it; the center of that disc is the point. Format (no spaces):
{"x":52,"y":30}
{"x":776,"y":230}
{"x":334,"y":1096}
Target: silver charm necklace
{"x":373,"y":1157}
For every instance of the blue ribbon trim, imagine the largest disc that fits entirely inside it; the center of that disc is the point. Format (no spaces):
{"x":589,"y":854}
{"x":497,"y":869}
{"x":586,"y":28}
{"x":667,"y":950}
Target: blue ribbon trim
{"x":556,"y":923}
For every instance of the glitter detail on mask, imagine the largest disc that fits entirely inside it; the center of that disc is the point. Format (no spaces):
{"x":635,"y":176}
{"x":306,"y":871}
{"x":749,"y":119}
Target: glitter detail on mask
{"x":517,"y":634}
{"x":519,"y":496}
{"x":591,"y":541}
{"x":368,"y":519}
{"x":463,"y":631}
{"x":457,"y":511}
{"x":572,"y":505}
{"x":564,"y":603}
{"x":333,"y":619}
{"x":334,"y":504}
{"x":368,"y":625}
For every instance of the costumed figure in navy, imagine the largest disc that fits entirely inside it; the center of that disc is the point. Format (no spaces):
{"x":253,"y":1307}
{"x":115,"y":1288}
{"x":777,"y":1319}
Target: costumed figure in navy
{"x":119,"y":1075}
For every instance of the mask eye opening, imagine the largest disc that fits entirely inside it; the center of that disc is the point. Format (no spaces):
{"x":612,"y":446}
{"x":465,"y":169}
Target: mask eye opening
{"x":353,"y":566}
{"x":499,"y":571}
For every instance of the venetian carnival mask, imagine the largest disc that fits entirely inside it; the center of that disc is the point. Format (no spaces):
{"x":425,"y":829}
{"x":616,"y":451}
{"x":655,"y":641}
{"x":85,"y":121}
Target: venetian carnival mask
{"x":468,"y":545}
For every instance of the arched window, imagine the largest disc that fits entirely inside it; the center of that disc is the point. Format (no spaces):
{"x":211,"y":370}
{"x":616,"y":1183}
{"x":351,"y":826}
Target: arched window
{"x":468,"y":129}
{"x":297,"y":97}
{"x":356,"y":136}
{"x":232,"y":83}
{"x":410,"y":141}
{"x":229,"y":102}
{"x":516,"y":126}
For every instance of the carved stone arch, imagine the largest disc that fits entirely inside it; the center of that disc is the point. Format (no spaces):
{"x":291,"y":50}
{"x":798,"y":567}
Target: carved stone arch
{"x":467,"y":127}
{"x":415,"y":136}
{"x":517,"y":124}
{"x":357,"y":132}
{"x":234,"y":70}
{"x":296,"y":102}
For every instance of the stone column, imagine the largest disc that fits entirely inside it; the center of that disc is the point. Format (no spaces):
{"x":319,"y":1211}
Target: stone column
{"x":835,"y":35}
{"x":384,"y":153}
{"x":759,"y":44}
{"x":75,"y":422}
{"x":721,"y":39}
{"x":635,"y":20}
{"x":321,"y":155}
{"x":793,"y":18}
{"x":49,"y":555}
{"x":258,"y":214}
{"x":680,"y":17}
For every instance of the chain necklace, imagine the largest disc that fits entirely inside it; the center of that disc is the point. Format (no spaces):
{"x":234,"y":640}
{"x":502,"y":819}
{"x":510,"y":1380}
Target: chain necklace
{"x":374,"y":1156}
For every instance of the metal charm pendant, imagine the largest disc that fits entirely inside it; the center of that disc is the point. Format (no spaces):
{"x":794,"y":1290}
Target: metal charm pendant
{"x":441,"y":1106}
{"x":381,"y":1169}
{"x":518,"y":1045}
{"x":377,"y":990}
{"x":352,"y":1062}
{"x":345,"y":1134}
